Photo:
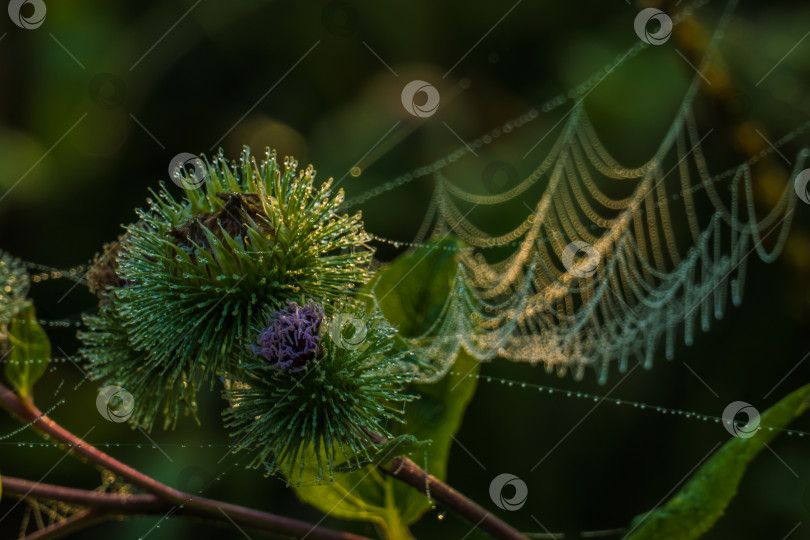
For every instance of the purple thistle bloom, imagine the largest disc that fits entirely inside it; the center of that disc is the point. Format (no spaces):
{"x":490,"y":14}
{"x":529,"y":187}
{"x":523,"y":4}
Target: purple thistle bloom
{"x":291,"y":337}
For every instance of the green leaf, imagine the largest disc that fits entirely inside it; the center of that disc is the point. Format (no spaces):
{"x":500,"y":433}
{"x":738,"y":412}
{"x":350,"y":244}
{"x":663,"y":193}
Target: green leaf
{"x":30,"y":352}
{"x":696,"y":508}
{"x":403,"y":444}
{"x":411,"y":292}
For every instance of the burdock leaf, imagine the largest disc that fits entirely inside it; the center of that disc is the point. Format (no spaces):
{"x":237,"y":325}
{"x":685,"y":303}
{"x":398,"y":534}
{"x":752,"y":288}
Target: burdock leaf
{"x":702,"y":501}
{"x":411,"y":292}
{"x":29,"y":352}
{"x":403,"y":444}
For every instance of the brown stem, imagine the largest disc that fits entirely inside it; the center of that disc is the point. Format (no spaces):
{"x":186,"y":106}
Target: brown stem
{"x":114,"y":503}
{"x":100,"y":506}
{"x":255,"y":519}
{"x":402,"y":468}
{"x":72,"y":524}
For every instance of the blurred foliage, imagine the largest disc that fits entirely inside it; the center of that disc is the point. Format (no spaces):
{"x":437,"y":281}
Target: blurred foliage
{"x":182,"y":75}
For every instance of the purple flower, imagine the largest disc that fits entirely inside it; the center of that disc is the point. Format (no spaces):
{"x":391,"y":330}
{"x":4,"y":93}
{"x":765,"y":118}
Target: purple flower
{"x":291,"y":337}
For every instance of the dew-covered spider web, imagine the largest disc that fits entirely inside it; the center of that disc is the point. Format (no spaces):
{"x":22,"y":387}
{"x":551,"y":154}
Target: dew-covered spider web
{"x":612,"y":263}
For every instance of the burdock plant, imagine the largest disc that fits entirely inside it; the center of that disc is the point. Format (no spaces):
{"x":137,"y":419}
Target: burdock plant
{"x":319,"y":392}
{"x":186,"y":290}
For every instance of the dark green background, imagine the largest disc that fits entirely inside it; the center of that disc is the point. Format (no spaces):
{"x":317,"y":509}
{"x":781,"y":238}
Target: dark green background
{"x":335,"y":105}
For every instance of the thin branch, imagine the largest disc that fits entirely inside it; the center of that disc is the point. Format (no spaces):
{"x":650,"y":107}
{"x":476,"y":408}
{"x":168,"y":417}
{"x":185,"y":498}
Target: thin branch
{"x":255,"y":519}
{"x":99,"y":506}
{"x":70,"y":525}
{"x":113,"y":503}
{"x":404,"y":469}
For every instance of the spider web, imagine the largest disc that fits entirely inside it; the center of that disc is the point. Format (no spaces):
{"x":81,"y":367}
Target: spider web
{"x":642,"y":280}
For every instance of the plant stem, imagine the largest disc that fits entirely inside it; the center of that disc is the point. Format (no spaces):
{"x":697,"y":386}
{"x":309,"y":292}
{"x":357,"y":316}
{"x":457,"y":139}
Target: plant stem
{"x":100,"y":506}
{"x":72,"y":524}
{"x":114,"y":503}
{"x":404,"y":469}
{"x":201,"y":506}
